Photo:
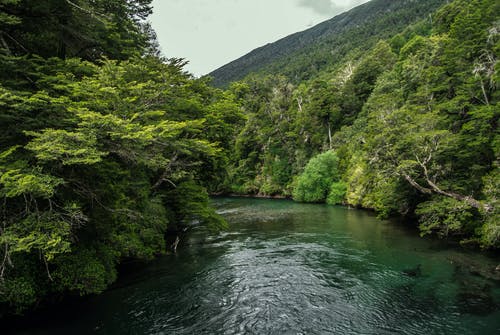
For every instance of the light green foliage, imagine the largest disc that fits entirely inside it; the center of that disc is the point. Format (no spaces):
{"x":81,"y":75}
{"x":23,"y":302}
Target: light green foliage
{"x":69,"y":148}
{"x":490,"y":231}
{"x":91,"y":151}
{"x":337,"y":193}
{"x":50,"y":234}
{"x":315,"y":183}
{"x":17,"y":182}
{"x":96,"y":168}
{"x":5,"y":18}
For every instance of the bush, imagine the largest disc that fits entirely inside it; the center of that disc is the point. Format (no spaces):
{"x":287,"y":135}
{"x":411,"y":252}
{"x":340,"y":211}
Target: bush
{"x":314,"y":184}
{"x":337,"y":193}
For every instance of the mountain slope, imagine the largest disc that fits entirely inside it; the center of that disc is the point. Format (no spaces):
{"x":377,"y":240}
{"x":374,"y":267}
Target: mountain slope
{"x":301,"y":55}
{"x":407,"y":127}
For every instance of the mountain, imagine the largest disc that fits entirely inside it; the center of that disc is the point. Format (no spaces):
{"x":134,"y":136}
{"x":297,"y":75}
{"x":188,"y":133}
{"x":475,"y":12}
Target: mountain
{"x":301,"y":55}
{"x":378,"y":109}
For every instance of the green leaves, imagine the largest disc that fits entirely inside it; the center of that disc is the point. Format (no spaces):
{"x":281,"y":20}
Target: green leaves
{"x":428,"y":136}
{"x":315,"y":183}
{"x":8,"y":19}
{"x":336,"y":195}
{"x":28,"y":182}
{"x":77,"y":28}
{"x":190,"y":205}
{"x":69,"y":148}
{"x":413,"y":130}
{"x":95,"y":166}
{"x":490,"y":231}
{"x":49,"y":234}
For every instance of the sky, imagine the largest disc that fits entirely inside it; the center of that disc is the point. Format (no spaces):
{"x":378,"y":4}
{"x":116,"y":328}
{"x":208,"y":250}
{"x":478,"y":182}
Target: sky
{"x":211,"y":33}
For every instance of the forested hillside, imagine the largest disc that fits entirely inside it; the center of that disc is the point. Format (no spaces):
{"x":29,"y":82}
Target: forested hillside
{"x":408,"y":127}
{"x":304,"y":55}
{"x":103,"y":146}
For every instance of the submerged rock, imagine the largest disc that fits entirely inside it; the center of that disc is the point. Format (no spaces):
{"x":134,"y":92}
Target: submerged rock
{"x":471,"y":266}
{"x":476,"y":300}
{"x":415,"y":272}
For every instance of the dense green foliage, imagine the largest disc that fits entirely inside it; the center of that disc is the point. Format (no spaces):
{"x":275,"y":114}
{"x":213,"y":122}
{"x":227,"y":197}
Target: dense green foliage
{"x":320,"y":180}
{"x":413,"y":122}
{"x":104,"y":145}
{"x":77,"y":28}
{"x":98,"y":157}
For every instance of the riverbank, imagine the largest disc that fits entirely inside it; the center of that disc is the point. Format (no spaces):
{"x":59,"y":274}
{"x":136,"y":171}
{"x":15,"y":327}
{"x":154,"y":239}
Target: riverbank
{"x":250,"y":196}
{"x":458,"y":239}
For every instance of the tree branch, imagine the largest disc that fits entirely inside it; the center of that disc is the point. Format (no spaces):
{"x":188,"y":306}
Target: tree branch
{"x":89,"y":12}
{"x":434,"y":188}
{"x":417,"y":185}
{"x":165,"y":174}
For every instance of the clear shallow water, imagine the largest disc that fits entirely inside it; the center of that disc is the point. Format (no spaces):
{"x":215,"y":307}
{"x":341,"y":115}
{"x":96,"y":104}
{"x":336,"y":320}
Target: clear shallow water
{"x":287,"y":268}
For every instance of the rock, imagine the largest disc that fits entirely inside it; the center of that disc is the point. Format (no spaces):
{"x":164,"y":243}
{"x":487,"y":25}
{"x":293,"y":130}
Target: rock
{"x":416,"y":272}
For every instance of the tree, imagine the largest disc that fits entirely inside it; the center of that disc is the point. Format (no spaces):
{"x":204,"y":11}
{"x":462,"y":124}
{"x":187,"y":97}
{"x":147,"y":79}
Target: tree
{"x":362,"y":82}
{"x":429,"y":135}
{"x":96,"y":171}
{"x":320,"y":177}
{"x":76,"y":28}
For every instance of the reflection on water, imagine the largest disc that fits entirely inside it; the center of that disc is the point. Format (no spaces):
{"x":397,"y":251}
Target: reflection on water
{"x":287,"y":268}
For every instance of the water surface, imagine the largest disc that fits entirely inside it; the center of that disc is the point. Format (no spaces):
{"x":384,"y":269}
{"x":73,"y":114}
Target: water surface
{"x":288,"y":268}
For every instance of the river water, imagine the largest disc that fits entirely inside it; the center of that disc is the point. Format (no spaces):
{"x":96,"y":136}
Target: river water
{"x":288,"y":268}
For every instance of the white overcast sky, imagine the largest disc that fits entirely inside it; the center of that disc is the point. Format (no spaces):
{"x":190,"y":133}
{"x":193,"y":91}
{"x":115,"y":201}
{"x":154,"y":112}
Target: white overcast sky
{"x":211,"y":33}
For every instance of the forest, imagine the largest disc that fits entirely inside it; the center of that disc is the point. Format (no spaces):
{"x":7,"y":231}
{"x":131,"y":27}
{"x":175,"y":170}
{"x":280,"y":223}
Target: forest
{"x":106,"y":144}
{"x":408,"y":128}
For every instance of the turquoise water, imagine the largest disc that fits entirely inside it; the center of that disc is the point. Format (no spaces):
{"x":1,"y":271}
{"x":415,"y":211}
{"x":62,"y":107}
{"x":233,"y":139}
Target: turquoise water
{"x":288,"y":268}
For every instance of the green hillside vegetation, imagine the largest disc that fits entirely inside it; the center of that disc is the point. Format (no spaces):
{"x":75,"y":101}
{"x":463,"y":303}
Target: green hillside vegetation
{"x":306,"y":54}
{"x":407,"y":128}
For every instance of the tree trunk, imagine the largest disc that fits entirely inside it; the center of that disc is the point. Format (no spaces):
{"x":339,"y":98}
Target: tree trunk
{"x":329,"y":136}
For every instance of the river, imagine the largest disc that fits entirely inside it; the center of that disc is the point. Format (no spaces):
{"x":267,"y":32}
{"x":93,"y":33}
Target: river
{"x":288,"y":268}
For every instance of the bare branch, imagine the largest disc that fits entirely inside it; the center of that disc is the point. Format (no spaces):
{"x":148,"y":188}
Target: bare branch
{"x":434,"y":188}
{"x":299,"y":103}
{"x":47,"y":267}
{"x":92,"y":14}
{"x":417,"y":185}
{"x":4,"y":44}
{"x":165,"y":174}
{"x":6,"y":261}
